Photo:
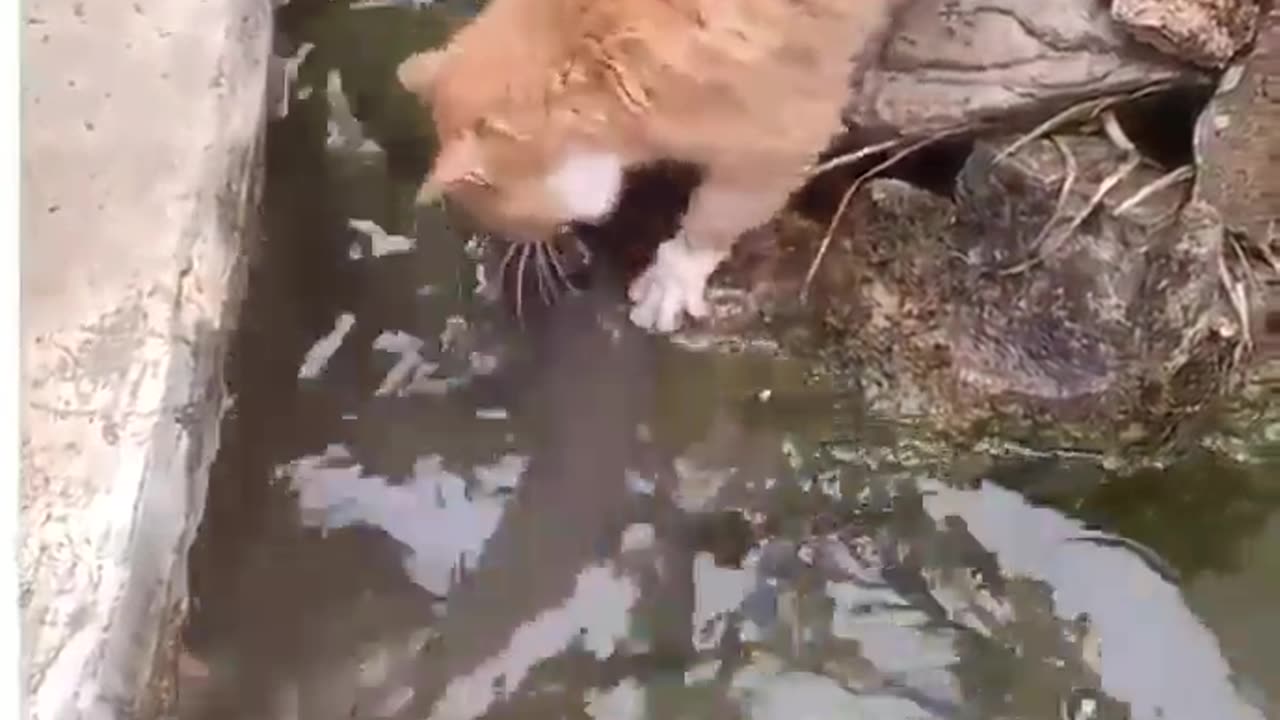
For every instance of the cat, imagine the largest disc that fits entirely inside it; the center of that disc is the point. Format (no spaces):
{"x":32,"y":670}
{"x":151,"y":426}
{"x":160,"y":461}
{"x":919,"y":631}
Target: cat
{"x":541,"y":106}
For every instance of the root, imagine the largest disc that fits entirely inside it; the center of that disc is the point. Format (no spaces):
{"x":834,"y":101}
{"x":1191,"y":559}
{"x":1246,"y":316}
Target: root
{"x":1070,"y":173}
{"x":1186,"y":172}
{"x":1115,"y":133}
{"x":855,"y":156}
{"x":1238,"y":292}
{"x":862,"y":153}
{"x":1044,"y":245}
{"x":1086,"y":110}
{"x":1266,"y":244}
{"x":1109,"y":183}
{"x":1263,"y":248}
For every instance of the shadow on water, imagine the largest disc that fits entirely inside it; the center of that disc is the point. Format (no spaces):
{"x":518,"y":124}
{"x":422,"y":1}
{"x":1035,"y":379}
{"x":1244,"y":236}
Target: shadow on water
{"x":422,"y":509}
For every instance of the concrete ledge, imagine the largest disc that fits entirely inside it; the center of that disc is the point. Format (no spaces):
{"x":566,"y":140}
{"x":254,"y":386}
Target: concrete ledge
{"x":141,"y":128}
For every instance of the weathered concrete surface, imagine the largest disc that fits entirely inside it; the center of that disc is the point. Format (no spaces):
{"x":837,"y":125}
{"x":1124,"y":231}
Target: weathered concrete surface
{"x":961,"y":62}
{"x":139,"y":158}
{"x":1205,"y":32}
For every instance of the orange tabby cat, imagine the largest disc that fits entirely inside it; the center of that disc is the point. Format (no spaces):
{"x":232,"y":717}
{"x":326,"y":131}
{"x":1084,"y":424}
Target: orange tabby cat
{"x":541,"y":105}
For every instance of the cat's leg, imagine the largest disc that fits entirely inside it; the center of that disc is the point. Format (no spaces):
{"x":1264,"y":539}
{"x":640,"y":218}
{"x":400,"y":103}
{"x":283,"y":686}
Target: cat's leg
{"x":719,"y":213}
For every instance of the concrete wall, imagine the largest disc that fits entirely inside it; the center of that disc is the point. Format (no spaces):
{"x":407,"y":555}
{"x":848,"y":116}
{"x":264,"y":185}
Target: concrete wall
{"x":141,"y":123}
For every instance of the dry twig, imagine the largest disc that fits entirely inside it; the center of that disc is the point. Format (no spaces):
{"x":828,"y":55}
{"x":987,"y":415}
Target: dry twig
{"x":1090,"y":108}
{"x":1169,"y":179}
{"x":1070,"y":171}
{"x":1093,"y":107}
{"x":1266,"y":244}
{"x":1051,"y":246}
{"x":855,"y":156}
{"x":848,"y":197}
{"x":1238,"y":293}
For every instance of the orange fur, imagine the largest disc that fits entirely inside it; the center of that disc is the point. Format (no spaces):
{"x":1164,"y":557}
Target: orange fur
{"x":749,"y":90}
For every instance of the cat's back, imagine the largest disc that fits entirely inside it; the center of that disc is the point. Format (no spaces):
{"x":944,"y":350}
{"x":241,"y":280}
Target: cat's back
{"x":514,"y":38}
{"x":687,"y":72}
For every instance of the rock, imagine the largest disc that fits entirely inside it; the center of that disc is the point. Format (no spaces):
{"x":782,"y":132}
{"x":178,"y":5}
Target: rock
{"x":960,"y":62}
{"x":1237,"y":141}
{"x":968,"y":316}
{"x":1237,"y":147}
{"x":1205,"y":32}
{"x":139,"y":178}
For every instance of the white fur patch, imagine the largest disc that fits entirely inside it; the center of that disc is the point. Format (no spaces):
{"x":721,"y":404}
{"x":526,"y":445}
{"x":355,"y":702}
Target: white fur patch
{"x":588,"y":184}
{"x":675,"y":284}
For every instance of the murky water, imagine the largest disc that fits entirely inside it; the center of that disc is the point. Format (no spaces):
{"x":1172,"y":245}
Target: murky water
{"x":422,"y":506}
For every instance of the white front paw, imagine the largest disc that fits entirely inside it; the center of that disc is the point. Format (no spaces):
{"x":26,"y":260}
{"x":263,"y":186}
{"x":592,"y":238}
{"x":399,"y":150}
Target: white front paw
{"x":674,"y":284}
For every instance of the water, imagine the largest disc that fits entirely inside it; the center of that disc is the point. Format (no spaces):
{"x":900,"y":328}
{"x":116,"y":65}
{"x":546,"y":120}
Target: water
{"x":452,"y":513}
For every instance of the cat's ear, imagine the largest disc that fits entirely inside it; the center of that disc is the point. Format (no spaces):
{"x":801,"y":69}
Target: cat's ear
{"x":459,"y":161}
{"x":418,"y":72}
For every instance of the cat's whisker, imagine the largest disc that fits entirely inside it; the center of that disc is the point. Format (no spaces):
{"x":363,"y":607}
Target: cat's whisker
{"x":557,"y":287}
{"x":505,"y":265}
{"x":546,"y":286}
{"x":553,"y":256}
{"x":521,"y":266}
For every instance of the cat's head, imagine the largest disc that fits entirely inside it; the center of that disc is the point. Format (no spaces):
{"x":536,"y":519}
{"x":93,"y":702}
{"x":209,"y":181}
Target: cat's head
{"x":516,"y":169}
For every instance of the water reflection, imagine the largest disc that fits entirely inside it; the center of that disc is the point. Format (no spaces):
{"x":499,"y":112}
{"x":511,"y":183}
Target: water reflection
{"x":1149,"y":649}
{"x":441,"y":523}
{"x":438,"y":513}
{"x":865,"y":586}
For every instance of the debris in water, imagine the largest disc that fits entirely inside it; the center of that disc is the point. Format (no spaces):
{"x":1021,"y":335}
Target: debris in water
{"x":397,"y":341}
{"x":1079,"y":705}
{"x":423,"y":384}
{"x":483,"y":363}
{"x":1152,"y":559}
{"x":475,"y":246}
{"x":318,"y":356}
{"x":380,"y":241}
{"x":407,"y":347}
{"x":638,"y":536}
{"x":284,"y":76}
{"x":455,"y":328}
{"x":485,"y":289}
{"x":345,"y":132}
{"x":639,"y":485}
{"x":501,"y":476}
